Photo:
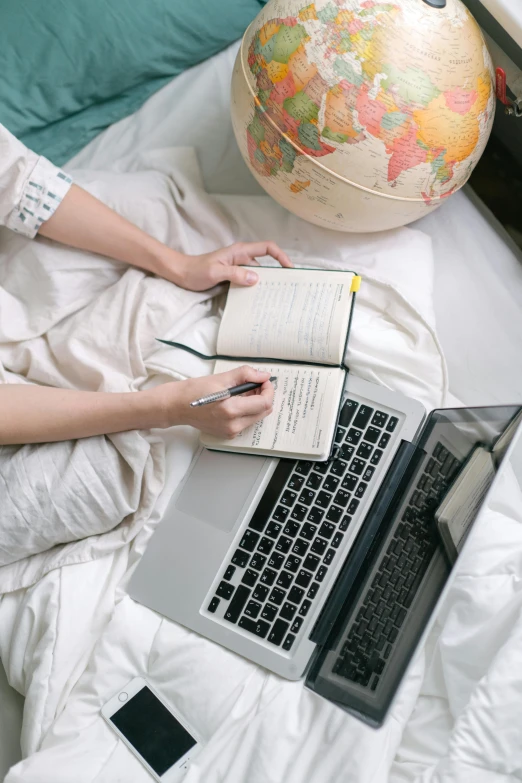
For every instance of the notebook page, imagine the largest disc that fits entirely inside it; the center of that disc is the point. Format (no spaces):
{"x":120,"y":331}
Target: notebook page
{"x":293,"y":314}
{"x":306,"y":403}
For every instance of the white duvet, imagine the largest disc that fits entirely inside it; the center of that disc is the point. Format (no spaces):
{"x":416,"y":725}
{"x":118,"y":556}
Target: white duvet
{"x":69,"y":635}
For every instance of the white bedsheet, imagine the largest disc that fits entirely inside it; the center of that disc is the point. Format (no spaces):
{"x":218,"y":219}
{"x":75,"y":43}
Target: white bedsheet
{"x":73,"y":638}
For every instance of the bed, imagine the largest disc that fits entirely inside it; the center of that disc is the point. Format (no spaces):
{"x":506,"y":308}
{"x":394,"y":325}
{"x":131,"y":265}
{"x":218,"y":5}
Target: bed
{"x":440,"y":319}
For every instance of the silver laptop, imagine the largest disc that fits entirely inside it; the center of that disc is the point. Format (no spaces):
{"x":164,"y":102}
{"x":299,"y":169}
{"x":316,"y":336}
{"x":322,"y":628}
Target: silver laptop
{"x":326,"y":570}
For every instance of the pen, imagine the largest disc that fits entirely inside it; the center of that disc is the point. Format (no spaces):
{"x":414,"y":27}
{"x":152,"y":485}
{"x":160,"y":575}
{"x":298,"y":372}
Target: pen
{"x":226,"y":393}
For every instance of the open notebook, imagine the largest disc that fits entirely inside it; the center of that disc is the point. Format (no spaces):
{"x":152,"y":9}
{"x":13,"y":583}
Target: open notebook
{"x":295,"y":324}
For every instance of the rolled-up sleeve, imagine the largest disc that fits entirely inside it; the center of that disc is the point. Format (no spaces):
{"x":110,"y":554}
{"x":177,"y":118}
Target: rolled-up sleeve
{"x":31,"y":187}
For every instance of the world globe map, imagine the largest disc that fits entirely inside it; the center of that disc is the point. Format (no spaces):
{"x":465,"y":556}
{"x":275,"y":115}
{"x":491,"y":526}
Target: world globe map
{"x":362,"y":115}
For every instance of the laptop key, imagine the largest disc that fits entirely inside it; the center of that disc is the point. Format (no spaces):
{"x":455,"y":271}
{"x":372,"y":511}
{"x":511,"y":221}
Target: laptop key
{"x":352,"y":508}
{"x":257,"y":561}
{"x":361,"y":489}
{"x":260,"y":593}
{"x":240,"y":558}
{"x":385,"y":439}
{"x":379,"y":419}
{"x":277,"y":596}
{"x":349,"y":483}
{"x":320,"y":575}
{"x":357,"y":466}
{"x":323,"y":500}
{"x":303,"y":578}
{"x":291,"y":528}
{"x":313,"y":589}
{"x":331,"y":483}
{"x":376,"y":456}
{"x":334,"y":514}
{"x":268,"y":576}
{"x":284,"y":579}
{"x":288,"y":498}
{"x":303,"y":609}
{"x":347,"y":412}
{"x":372,"y":434}
{"x":278,"y":631}
{"x":337,"y":540}
{"x":265,"y":546}
{"x":257,"y":627}
{"x":288,"y":642}
{"x":319,"y":546}
{"x":225,"y":590}
{"x":280,"y":514}
{"x":329,"y":556}
{"x":287,"y":611}
{"x":315,"y":515}
{"x":339,"y":435}
{"x":353,"y":436}
{"x":314,"y":480}
{"x":304,"y":467}
{"x":338,"y":468}
{"x":249,"y":577}
{"x":306,"y":497}
{"x":252,"y":609}
{"x":295,"y":595}
{"x":364,"y":451}
{"x":363,"y":416}
{"x":345,"y":522}
{"x":300,"y":547}
{"x":273,"y":529}
{"x":229,"y":573}
{"x":321,"y":467}
{"x":342,"y":498}
{"x":299,"y":513}
{"x":346,"y":452}
{"x":249,"y":540}
{"x":327,"y":530}
{"x":284,"y":544}
{"x":311,"y":562}
{"x":308,"y":531}
{"x":237,"y":604}
{"x":295,"y":481}
{"x":213,"y":605}
{"x":392,"y":424}
{"x":368,"y":473}
{"x":276,"y":560}
{"x":296,"y":625}
{"x":293,"y":563}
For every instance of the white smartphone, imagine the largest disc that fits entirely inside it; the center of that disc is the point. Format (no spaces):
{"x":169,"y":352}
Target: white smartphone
{"x":162,"y":741}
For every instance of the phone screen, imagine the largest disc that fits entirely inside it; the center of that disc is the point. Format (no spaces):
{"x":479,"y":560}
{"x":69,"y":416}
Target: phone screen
{"x":153,"y":731}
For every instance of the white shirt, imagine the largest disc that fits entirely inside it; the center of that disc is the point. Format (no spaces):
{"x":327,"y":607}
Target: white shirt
{"x":31,"y":188}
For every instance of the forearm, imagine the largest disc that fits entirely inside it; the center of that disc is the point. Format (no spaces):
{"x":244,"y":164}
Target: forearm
{"x":36,"y":414}
{"x":84,"y":222}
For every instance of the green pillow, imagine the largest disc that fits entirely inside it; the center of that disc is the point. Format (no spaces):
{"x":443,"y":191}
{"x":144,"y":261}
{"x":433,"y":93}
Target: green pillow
{"x":70,"y":68}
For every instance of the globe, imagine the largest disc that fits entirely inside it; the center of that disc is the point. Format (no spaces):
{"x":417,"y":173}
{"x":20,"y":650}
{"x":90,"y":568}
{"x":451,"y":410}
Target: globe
{"x":362,"y":115}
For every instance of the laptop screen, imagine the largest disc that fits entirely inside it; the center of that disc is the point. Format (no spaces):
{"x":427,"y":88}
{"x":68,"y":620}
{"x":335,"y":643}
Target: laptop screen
{"x":410,"y":544}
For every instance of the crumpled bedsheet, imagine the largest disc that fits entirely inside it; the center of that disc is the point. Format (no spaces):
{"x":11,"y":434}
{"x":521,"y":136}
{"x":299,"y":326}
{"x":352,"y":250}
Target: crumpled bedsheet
{"x":69,"y":634}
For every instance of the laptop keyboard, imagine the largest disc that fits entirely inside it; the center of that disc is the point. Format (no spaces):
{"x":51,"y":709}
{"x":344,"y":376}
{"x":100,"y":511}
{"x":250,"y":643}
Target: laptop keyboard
{"x":295,"y":533}
{"x":376,"y":627}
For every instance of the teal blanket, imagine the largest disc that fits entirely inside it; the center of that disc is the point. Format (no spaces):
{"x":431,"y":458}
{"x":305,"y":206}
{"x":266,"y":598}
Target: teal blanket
{"x":70,"y":68}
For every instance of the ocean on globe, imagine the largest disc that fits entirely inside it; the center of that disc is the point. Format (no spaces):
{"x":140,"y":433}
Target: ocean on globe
{"x":362,"y":115}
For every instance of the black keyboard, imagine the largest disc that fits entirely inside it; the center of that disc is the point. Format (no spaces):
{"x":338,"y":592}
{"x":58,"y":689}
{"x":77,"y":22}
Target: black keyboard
{"x":294,"y":536}
{"x":376,"y":627}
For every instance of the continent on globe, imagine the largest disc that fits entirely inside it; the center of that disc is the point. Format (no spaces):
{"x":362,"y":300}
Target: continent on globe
{"x":374,"y":105}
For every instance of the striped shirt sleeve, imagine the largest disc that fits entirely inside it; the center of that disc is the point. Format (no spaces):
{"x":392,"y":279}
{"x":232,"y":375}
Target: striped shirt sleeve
{"x":31,"y":187}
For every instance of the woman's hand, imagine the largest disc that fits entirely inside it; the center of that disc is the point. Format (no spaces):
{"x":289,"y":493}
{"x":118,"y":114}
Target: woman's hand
{"x":197,"y":273}
{"x":83,"y":221}
{"x":225,"y":419}
{"x":38,"y":414}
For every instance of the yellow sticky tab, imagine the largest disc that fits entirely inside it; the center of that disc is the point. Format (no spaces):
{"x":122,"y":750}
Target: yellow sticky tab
{"x":356,"y":283}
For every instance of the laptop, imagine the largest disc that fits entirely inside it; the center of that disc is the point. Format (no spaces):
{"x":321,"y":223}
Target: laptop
{"x":328,"y":571}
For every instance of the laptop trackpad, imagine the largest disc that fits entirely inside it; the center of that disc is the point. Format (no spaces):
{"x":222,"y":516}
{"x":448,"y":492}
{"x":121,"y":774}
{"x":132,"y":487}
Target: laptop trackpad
{"x":218,"y":486}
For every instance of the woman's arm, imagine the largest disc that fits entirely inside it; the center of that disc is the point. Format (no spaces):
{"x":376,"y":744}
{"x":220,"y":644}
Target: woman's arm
{"x":83,"y":221}
{"x":36,"y":414}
